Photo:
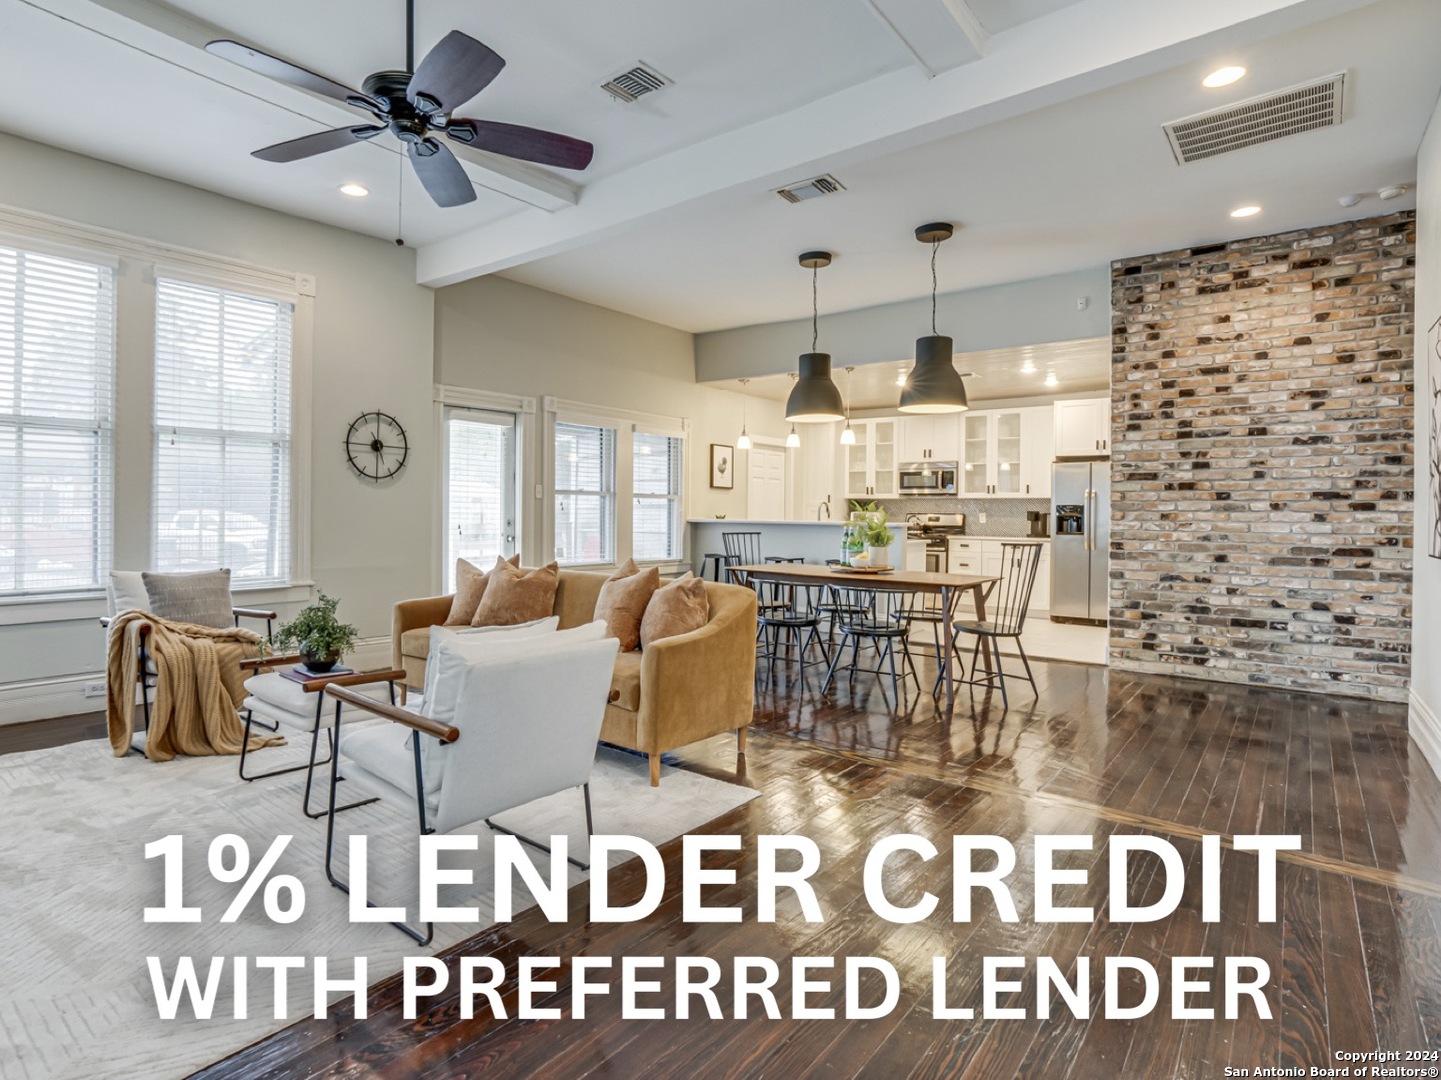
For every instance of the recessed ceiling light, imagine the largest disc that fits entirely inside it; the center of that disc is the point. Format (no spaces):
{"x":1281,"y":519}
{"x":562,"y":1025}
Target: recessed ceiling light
{"x":901,"y":377}
{"x":1224,"y":76}
{"x":1246,"y":211}
{"x":1029,"y":367}
{"x":1051,"y":379}
{"x":355,"y":191}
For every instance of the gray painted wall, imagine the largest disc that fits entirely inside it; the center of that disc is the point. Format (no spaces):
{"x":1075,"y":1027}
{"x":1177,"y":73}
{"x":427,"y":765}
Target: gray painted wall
{"x":1426,"y":583}
{"x":505,"y":337}
{"x":1000,"y":316}
{"x":372,"y":348}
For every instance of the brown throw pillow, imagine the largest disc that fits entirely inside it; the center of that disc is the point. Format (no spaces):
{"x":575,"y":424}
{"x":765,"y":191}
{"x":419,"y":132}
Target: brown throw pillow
{"x":470,"y":582}
{"x":623,"y":599}
{"x":515,"y":595}
{"x":677,"y":607}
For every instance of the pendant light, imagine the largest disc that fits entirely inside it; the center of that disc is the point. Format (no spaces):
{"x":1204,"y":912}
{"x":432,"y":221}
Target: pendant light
{"x":934,"y":385}
{"x":744,"y":442}
{"x":848,"y":434}
{"x":814,"y":399}
{"x":793,"y":439}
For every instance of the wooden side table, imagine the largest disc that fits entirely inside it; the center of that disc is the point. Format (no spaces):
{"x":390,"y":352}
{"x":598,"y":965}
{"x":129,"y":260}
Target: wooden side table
{"x":305,"y":721}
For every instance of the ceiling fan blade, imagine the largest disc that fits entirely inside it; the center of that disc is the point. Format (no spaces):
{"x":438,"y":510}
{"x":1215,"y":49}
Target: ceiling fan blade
{"x":322,"y":141}
{"x":284,"y":71}
{"x":453,"y":72}
{"x":526,"y":143}
{"x":443,"y":177}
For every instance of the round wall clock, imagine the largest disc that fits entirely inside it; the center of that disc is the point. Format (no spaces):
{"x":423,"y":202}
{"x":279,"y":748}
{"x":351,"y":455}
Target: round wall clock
{"x":376,"y":446}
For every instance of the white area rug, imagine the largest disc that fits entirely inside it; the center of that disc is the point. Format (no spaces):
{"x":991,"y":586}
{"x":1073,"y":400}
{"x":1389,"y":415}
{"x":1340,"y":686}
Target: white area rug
{"x":76,"y":999}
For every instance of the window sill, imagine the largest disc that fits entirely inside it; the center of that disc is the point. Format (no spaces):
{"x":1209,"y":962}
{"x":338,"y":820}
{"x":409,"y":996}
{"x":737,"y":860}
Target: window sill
{"x":90,"y":606}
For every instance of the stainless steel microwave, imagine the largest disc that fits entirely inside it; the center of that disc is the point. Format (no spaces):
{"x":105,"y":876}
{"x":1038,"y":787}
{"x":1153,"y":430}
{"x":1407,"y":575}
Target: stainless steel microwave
{"x":928,"y":478}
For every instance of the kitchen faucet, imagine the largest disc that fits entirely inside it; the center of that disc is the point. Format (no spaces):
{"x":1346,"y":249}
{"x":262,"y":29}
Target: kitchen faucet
{"x":826,"y":506}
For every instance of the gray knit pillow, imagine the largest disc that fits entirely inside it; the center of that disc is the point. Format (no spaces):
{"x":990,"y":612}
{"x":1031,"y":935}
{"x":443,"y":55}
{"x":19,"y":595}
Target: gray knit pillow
{"x":201,"y":598}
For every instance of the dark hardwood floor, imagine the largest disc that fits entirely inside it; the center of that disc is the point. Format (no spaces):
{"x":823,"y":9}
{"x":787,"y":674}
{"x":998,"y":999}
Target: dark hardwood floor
{"x":1355,"y":956}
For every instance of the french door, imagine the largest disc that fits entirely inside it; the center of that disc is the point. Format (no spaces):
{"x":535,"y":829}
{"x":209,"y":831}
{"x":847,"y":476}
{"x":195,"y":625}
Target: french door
{"x":480,"y":488}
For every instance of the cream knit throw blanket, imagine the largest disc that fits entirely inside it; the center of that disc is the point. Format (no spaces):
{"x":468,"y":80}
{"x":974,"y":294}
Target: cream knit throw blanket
{"x":198,"y":688}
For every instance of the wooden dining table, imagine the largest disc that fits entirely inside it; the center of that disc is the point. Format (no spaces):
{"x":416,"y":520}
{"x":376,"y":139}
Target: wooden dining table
{"x":949,"y":587}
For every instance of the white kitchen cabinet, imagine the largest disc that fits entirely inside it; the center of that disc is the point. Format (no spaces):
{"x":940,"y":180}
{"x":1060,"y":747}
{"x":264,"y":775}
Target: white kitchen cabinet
{"x":930,"y":438}
{"x":991,"y":565}
{"x":1038,"y":452}
{"x":915,"y":555}
{"x":871,"y":461}
{"x":1083,"y":427}
{"x":993,"y":453}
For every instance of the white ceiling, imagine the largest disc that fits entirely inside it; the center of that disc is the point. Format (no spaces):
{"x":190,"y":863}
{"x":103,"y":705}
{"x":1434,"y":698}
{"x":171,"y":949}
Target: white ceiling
{"x":1063,"y":188}
{"x":1033,"y":124}
{"x":990,"y":375}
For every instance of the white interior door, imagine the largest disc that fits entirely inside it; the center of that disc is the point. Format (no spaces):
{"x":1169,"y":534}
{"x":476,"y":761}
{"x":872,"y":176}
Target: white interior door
{"x":766,"y":484}
{"x":479,"y":487}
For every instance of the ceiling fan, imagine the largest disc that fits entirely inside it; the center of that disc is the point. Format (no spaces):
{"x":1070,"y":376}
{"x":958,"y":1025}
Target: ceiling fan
{"x":415,"y":105}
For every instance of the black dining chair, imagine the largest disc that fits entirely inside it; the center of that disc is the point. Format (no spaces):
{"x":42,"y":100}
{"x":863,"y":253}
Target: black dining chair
{"x":790,"y":632}
{"x":744,"y":549}
{"x":1006,"y":603}
{"x":925,"y":610}
{"x":870,"y":615}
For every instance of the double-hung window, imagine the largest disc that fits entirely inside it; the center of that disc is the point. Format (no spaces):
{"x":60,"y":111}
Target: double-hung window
{"x":222,"y":432}
{"x":57,"y":393}
{"x":657,"y":467}
{"x":585,"y":494}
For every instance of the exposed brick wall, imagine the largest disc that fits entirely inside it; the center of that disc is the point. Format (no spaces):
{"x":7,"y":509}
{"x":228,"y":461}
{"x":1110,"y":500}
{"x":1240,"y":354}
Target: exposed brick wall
{"x":1263,"y":458}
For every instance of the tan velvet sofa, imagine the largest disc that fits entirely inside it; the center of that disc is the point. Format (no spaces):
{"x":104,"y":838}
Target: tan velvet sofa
{"x":678,"y":691}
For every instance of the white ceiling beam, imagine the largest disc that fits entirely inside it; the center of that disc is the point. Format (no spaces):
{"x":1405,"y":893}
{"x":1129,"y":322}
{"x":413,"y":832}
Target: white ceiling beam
{"x":1083,"y":48}
{"x":179,"y":39}
{"x":966,"y":20}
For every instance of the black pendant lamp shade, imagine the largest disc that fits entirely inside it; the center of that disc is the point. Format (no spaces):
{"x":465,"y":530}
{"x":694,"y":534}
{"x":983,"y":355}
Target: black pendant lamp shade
{"x":934,"y":385}
{"x":815,"y":398}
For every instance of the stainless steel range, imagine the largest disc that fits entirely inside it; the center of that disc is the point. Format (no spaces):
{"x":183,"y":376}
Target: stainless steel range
{"x":936,"y":530}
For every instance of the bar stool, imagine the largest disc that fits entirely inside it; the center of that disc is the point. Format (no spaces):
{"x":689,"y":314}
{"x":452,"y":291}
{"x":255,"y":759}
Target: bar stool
{"x":712,"y":557}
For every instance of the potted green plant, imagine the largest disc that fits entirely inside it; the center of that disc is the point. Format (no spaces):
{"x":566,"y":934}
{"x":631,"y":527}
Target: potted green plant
{"x":878,"y":538}
{"x":317,"y":635}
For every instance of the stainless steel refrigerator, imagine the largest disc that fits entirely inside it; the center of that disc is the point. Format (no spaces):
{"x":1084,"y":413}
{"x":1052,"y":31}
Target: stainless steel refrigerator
{"x":1080,"y":540}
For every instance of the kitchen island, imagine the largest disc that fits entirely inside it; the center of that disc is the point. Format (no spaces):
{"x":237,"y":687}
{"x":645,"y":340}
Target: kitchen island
{"x":811,"y":541}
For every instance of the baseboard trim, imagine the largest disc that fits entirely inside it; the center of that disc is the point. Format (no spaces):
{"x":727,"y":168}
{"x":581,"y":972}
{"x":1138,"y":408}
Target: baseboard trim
{"x":1425,"y":731}
{"x":64,"y":695}
{"x":46,"y":699}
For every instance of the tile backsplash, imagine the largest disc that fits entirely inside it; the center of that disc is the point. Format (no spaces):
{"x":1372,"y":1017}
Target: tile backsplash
{"x":1004,"y":517}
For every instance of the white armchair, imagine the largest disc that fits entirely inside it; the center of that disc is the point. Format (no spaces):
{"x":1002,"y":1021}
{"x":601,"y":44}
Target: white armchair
{"x":503,"y":723}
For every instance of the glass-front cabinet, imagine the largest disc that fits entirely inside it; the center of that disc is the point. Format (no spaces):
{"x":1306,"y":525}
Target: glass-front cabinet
{"x":1002,"y":453}
{"x":976,"y":453}
{"x":871,"y":462}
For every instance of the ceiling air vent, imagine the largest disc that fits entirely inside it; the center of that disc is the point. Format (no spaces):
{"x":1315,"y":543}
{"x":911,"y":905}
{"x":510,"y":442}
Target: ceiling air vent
{"x":813,"y":188}
{"x":1291,"y":111}
{"x":635,"y":83}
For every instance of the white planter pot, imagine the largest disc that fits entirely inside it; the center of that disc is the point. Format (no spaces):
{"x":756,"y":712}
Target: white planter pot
{"x":880,"y":556}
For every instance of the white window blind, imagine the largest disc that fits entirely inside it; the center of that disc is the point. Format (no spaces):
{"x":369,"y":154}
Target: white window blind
{"x":656,"y":527}
{"x":222,"y":432}
{"x":584,"y":493}
{"x":479,"y":488}
{"x":57,"y":391}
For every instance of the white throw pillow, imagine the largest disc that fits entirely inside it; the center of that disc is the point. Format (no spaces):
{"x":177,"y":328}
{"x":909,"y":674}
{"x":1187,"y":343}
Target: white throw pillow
{"x":491,"y":635}
{"x":126,"y":592}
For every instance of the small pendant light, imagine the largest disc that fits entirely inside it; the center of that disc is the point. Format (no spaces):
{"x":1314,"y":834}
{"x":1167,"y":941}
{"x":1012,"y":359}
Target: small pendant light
{"x":934,"y":385}
{"x":744,"y":442}
{"x":848,"y":435}
{"x":793,"y":439}
{"x":814,"y":399}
